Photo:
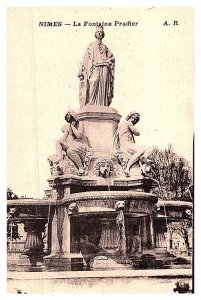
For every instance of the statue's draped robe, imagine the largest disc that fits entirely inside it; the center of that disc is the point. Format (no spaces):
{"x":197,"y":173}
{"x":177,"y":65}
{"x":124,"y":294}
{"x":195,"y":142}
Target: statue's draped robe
{"x":97,"y":68}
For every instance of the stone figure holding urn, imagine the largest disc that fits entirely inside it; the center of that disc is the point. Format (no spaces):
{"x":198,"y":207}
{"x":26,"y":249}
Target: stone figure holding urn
{"x":96,"y":73}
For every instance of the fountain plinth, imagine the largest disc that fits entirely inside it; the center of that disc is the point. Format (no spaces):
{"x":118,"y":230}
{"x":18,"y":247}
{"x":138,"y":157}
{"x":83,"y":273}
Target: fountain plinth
{"x":100,"y":125}
{"x":99,"y":198}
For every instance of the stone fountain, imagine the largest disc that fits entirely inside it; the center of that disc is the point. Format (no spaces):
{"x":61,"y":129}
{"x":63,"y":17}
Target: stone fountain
{"x":99,"y":202}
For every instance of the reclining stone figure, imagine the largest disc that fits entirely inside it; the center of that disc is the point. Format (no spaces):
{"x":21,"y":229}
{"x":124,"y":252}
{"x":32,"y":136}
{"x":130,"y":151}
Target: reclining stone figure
{"x":128,"y":152}
{"x":73,"y":144}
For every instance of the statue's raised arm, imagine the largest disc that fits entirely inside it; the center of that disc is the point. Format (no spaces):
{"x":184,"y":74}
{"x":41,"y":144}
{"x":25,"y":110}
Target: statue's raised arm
{"x":96,"y":73}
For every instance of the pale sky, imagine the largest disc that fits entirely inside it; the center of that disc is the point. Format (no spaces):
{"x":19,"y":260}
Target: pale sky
{"x":153,"y":75}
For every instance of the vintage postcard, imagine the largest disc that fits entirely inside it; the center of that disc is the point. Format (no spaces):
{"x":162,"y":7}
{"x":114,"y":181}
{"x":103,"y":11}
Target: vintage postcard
{"x":100,"y":150}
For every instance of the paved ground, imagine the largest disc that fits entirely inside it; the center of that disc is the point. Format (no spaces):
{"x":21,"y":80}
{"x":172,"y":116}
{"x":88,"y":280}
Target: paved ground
{"x":102,"y":274}
{"x":112,"y":277}
{"x":115,"y":281}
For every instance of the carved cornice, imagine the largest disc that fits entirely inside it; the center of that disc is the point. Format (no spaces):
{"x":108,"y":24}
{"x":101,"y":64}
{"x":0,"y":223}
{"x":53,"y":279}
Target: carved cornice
{"x":71,"y":180}
{"x":172,"y":203}
{"x":132,"y":182}
{"x":30,"y":202}
{"x":114,"y":195}
{"x":92,"y":181}
{"x":92,"y":112}
{"x":100,"y":116}
{"x":84,"y":197}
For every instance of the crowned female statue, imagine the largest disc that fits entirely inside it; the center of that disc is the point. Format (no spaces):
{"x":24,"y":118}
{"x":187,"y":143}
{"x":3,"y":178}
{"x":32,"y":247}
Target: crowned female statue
{"x":96,"y":73}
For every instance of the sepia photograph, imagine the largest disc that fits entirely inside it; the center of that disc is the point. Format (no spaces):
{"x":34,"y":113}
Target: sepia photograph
{"x":100,"y":150}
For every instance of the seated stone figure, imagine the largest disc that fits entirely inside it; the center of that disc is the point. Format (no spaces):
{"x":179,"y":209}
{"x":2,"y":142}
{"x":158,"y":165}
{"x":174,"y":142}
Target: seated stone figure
{"x":130,"y":153}
{"x":72,"y":144}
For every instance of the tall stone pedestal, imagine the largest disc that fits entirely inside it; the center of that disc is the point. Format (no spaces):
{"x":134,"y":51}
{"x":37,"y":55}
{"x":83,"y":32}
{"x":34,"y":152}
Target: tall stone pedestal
{"x":100,"y":124}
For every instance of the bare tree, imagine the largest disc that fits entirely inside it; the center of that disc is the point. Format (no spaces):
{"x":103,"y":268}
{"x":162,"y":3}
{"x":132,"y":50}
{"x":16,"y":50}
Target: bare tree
{"x":173,"y":174}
